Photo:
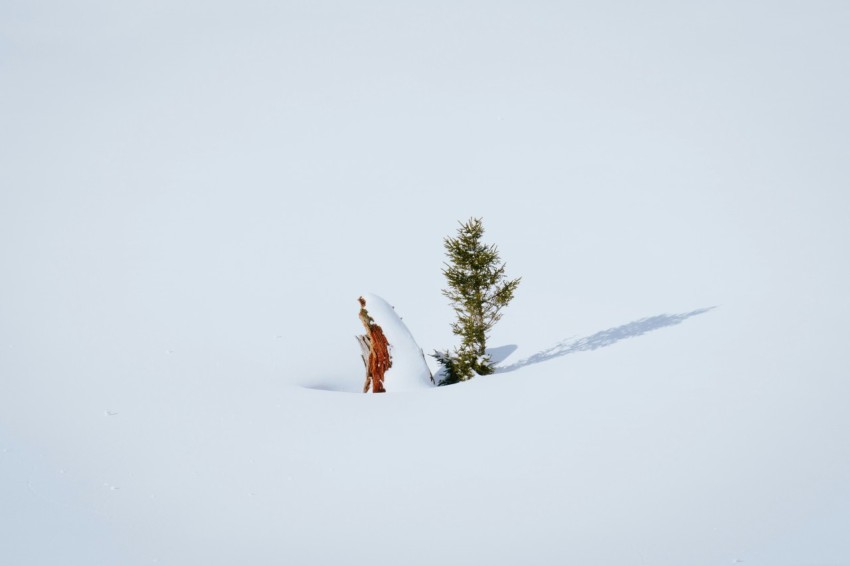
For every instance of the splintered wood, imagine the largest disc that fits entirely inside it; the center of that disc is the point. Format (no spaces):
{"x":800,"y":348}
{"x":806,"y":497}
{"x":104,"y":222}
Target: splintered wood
{"x":375,"y":351}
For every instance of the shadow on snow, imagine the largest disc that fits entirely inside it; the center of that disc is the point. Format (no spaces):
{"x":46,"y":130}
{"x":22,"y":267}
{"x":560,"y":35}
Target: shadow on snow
{"x":603,"y":338}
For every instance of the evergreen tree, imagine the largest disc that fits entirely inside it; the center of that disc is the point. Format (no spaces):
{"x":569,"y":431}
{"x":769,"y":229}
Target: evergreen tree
{"x":478,"y":290}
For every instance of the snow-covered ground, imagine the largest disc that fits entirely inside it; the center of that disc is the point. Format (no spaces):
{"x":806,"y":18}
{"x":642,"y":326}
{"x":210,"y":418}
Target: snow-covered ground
{"x":193,"y":195}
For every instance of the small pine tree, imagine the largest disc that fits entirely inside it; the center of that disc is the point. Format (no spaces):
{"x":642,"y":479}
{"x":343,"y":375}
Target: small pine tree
{"x":478,"y":290}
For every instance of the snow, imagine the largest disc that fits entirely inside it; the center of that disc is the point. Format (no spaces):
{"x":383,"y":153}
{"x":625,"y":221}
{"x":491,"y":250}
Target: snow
{"x":193,"y":196}
{"x":409,"y":371}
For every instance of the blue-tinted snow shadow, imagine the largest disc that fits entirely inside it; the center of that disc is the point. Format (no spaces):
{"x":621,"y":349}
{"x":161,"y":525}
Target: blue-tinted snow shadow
{"x":328,"y":386}
{"x":603,"y":338}
{"x":334,"y":384}
{"x":500,"y":353}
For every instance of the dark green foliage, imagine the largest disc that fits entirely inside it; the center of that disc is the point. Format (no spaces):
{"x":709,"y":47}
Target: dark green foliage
{"x":450,"y":370}
{"x":478,"y":290}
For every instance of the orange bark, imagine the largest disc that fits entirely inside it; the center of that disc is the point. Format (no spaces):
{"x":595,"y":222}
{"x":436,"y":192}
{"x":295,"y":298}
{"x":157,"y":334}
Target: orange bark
{"x":379,"y":352}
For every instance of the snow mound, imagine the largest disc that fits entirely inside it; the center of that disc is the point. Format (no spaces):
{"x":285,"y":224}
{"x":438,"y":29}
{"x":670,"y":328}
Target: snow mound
{"x":409,"y":371}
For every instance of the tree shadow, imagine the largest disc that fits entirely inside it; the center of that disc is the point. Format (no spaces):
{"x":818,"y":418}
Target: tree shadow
{"x":603,"y":338}
{"x":500,"y":353}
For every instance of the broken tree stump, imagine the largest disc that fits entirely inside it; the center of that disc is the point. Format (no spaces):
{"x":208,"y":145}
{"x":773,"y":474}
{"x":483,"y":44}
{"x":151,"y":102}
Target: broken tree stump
{"x":375,"y":351}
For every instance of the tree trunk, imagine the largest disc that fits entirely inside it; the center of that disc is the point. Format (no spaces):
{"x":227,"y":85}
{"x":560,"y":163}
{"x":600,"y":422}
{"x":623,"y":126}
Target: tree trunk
{"x":375,"y":351}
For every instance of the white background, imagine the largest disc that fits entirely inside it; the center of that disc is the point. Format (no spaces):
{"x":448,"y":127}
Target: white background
{"x":193,"y":195}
